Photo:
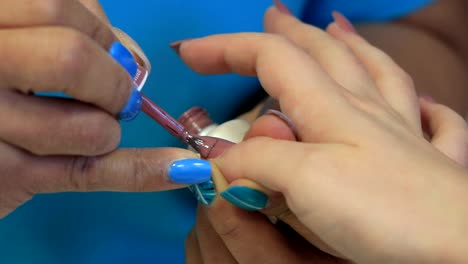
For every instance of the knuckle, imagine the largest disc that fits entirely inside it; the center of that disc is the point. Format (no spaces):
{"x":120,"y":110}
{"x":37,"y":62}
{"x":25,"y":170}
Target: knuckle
{"x":73,"y":56}
{"x":405,"y":78}
{"x":230,"y":228}
{"x":52,"y":12}
{"x":101,"y":34}
{"x":137,"y":180}
{"x":78,"y":172}
{"x":275,"y":41}
{"x":98,"y":135}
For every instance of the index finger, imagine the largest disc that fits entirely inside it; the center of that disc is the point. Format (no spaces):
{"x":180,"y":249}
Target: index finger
{"x":130,"y":170}
{"x":286,"y":72}
{"x":72,"y":14}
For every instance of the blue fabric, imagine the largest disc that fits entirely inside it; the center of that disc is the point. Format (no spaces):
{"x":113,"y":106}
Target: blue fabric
{"x":151,"y":227}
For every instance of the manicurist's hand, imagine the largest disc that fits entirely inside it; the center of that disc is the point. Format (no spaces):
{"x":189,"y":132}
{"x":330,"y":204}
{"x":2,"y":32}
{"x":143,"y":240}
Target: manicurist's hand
{"x":363,"y":182}
{"x":55,"y":145}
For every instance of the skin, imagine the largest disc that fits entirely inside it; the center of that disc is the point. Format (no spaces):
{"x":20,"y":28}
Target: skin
{"x":79,"y":153}
{"x":70,"y":158}
{"x":378,"y":98}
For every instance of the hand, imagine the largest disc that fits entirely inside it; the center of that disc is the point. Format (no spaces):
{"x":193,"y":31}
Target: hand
{"x":363,"y":166}
{"x":226,"y":234}
{"x":55,"y":145}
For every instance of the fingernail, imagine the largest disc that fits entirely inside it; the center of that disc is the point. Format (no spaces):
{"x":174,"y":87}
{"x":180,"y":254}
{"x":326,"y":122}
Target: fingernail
{"x":285,"y":119}
{"x":176,"y":45}
{"x":282,"y":7}
{"x":428,"y":98}
{"x":204,"y":192}
{"x":132,"y":108}
{"x":245,"y":198}
{"x":124,"y":57}
{"x":343,"y":22}
{"x":190,"y":171}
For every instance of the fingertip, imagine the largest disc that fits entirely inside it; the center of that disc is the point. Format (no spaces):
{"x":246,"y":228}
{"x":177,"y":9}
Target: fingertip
{"x":245,"y":198}
{"x":124,"y":57}
{"x":343,"y":23}
{"x":190,"y":171}
{"x":100,"y":135}
{"x":133,"y":106}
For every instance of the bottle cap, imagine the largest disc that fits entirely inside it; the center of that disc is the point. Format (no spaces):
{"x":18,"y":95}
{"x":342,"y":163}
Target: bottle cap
{"x":195,"y":120}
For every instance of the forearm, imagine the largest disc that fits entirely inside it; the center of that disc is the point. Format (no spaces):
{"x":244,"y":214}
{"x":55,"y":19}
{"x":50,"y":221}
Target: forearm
{"x":432,"y":47}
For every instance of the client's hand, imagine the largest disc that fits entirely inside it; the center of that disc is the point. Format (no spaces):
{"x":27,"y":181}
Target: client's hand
{"x":364,"y":182}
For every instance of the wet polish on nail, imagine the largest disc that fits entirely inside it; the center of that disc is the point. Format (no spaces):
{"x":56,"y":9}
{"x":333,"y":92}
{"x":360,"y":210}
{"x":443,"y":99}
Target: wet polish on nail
{"x":190,"y":171}
{"x":133,"y":107}
{"x":245,"y":198}
{"x":124,"y":57}
{"x":343,"y":22}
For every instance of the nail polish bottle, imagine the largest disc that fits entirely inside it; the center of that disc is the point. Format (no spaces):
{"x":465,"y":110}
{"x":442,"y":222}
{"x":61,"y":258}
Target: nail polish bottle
{"x":197,"y":121}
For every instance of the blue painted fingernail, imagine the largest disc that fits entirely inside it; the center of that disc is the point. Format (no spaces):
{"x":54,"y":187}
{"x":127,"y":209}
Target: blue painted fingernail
{"x":204,"y":192}
{"x":190,"y":171}
{"x":245,"y":198}
{"x":124,"y":57}
{"x":133,"y":106}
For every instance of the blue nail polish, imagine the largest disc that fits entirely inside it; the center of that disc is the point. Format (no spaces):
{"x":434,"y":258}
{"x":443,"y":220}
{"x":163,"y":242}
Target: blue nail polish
{"x":132,"y":108}
{"x":190,"y":171}
{"x":124,"y":57}
{"x":245,"y":198}
{"x":204,"y":192}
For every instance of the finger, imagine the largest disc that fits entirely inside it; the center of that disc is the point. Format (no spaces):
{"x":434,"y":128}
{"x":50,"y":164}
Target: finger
{"x":131,"y":170}
{"x":96,"y":9}
{"x":448,"y":130}
{"x":335,"y":57}
{"x":276,"y":208}
{"x":394,"y":84}
{"x":242,"y":161}
{"x":12,"y":194}
{"x":68,"y":13}
{"x":241,"y":230}
{"x":192,"y":249}
{"x":274,"y":127}
{"x":271,"y":125}
{"x":303,"y":89}
{"x":52,"y":126}
{"x":58,"y":59}
{"x":212,"y":247}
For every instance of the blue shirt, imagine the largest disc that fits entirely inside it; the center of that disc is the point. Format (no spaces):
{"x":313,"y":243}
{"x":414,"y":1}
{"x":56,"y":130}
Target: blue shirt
{"x":151,"y":227}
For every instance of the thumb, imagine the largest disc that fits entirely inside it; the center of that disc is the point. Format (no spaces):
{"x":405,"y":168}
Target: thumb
{"x":134,"y":170}
{"x":447,"y":129}
{"x":249,"y":195}
{"x":270,"y":162}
